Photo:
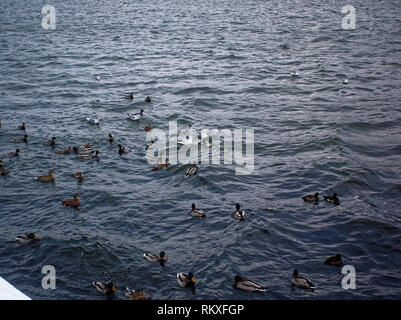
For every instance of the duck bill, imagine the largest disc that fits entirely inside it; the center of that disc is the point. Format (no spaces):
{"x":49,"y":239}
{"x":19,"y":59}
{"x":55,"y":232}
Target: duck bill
{"x":193,"y":279}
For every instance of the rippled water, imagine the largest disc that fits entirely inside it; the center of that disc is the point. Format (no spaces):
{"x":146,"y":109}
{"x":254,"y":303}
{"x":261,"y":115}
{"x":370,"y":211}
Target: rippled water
{"x":217,"y":64}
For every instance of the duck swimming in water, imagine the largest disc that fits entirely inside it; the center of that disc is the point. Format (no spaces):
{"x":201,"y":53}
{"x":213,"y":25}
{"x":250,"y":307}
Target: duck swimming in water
{"x":239,"y":213}
{"x":69,"y":150}
{"x":14,"y":154}
{"x":247,"y":285}
{"x":192,"y":170}
{"x":151,"y":257}
{"x":110,"y":138}
{"x":161,"y":166}
{"x":51,"y":142}
{"x":22,"y":127}
{"x":301,"y":282}
{"x":79,"y":175}
{"x":122,"y":150}
{"x":27,"y":238}
{"x":311,"y":198}
{"x":335,"y":260}
{"x":47,"y":177}
{"x":93,"y":119}
{"x":72,"y":202}
{"x":24,"y":139}
{"x":135,"y":116}
{"x":90,"y":156}
{"x":332,"y":199}
{"x":186,"y":280}
{"x":197,"y":212}
{"x":148,"y":99}
{"x":136,"y":295}
{"x":130,"y":96}
{"x":105,"y":288}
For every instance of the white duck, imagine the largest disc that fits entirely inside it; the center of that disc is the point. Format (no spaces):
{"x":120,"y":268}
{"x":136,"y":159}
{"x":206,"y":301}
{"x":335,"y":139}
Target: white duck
{"x":135,"y":116}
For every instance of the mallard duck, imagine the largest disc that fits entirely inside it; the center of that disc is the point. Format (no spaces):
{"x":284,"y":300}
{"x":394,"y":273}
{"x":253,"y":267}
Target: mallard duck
{"x":193,"y":169}
{"x":14,"y":154}
{"x":47,"y":177}
{"x":247,"y":285}
{"x":186,"y":280}
{"x":311,"y":197}
{"x":122,"y":150}
{"x":86,"y":148}
{"x":51,"y":142}
{"x":197,"y":212}
{"x":151,"y":257}
{"x":105,"y":288}
{"x":334,"y":260}
{"x":90,"y":156}
{"x":148,"y":99}
{"x":69,"y":150}
{"x":27,"y":238}
{"x":148,"y":128}
{"x":332,"y":199}
{"x":130,"y":96}
{"x":24,"y":139}
{"x":93,"y":119}
{"x":239,"y":213}
{"x":134,"y":295}
{"x":110,"y":138}
{"x":22,"y":127}
{"x":135,"y":116}
{"x":72,"y":202}
{"x":301,"y":282}
{"x":161,"y":166}
{"x":79,"y":175}
{"x":4,"y":172}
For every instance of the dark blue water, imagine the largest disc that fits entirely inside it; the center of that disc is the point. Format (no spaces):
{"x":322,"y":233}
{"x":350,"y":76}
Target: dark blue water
{"x":217,"y":64}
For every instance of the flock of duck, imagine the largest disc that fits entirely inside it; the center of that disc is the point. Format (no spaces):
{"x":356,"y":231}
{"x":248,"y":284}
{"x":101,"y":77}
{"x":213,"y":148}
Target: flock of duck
{"x":185,"y":280}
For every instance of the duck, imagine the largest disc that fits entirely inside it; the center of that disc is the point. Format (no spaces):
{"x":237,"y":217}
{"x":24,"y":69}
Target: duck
{"x":151,"y":257}
{"x":345,"y":81}
{"x":68,"y":150}
{"x":301,"y":282}
{"x":72,"y":202}
{"x":122,"y":150}
{"x":4,"y":172}
{"x":333,"y":199}
{"x":27,"y":238}
{"x":148,"y":128}
{"x":197,"y":212}
{"x":130,"y":96}
{"x":192,"y":170}
{"x":134,"y":295}
{"x":86,"y":148}
{"x":148,"y":99}
{"x":135,"y":116}
{"x":161,"y":166}
{"x":22,"y":127}
{"x":186,"y":280}
{"x":294,"y":72}
{"x":334,"y":260}
{"x":311,"y":197}
{"x":47,"y":177}
{"x":79,"y":175}
{"x":110,"y":138}
{"x":24,"y":139}
{"x":239,"y":213}
{"x":51,"y":142}
{"x":93,"y":119}
{"x":14,"y":154}
{"x":98,"y":78}
{"x":105,"y":288}
{"x":247,"y":285}
{"x":90,"y":156}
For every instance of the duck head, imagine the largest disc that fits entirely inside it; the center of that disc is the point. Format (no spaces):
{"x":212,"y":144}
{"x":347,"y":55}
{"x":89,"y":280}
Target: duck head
{"x":237,"y":206}
{"x":237,"y":278}
{"x":193,"y":206}
{"x":191,"y":277}
{"x":111,"y":287}
{"x":295,"y":273}
{"x":141,"y":112}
